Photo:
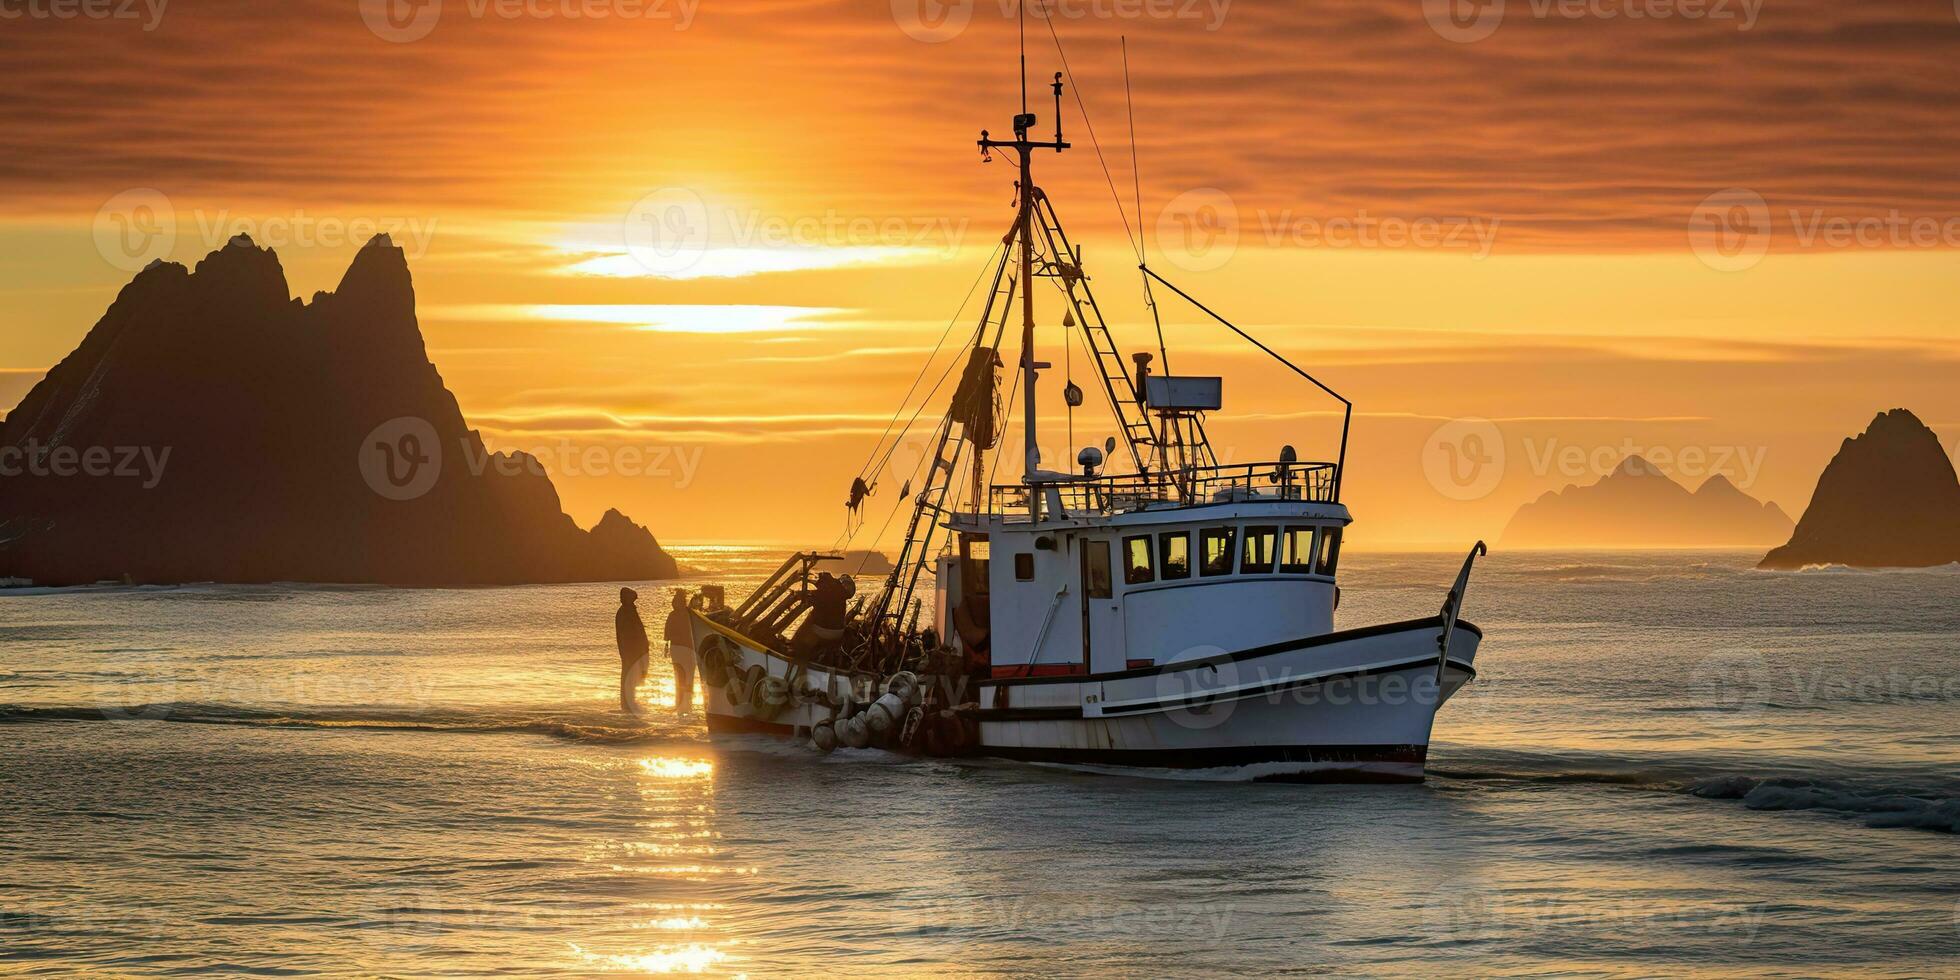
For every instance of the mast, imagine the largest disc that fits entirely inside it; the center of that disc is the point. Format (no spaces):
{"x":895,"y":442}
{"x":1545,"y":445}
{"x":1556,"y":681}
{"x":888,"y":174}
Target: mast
{"x":1022,"y":235}
{"x":1023,"y":224}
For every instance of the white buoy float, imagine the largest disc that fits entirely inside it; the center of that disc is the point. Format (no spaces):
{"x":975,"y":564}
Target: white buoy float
{"x":853,"y":732}
{"x":823,"y":735}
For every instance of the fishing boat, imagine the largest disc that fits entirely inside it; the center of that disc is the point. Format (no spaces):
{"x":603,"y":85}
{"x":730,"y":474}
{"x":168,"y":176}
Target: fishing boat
{"x":1150,"y":607}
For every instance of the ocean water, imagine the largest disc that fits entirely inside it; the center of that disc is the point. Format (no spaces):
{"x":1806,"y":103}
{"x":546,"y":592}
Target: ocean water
{"x":1671,"y":764}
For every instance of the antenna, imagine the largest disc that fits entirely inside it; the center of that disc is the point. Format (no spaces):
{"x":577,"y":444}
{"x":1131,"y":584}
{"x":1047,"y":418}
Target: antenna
{"x":1024,"y":57}
{"x":1136,"y":173}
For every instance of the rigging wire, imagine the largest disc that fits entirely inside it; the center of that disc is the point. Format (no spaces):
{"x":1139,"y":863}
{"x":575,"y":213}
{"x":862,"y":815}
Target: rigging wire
{"x":850,"y":536}
{"x":897,"y":505}
{"x":1068,"y":374}
{"x":869,"y":469}
{"x":1143,"y":246}
{"x":1121,"y":212}
{"x":1136,"y":172}
{"x":1081,"y":336}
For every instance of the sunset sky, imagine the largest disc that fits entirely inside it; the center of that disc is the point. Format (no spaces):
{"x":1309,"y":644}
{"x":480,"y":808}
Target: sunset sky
{"x":1726,"y":236}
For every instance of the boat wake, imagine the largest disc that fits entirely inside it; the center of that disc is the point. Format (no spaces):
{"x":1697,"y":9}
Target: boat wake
{"x":1872,"y":798}
{"x":1877,"y":799}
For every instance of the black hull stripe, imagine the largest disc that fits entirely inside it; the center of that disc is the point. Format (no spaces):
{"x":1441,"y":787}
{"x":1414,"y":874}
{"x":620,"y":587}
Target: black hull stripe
{"x":1275,"y":688}
{"x":731,"y":725}
{"x":1331,"y":757}
{"x":1270,"y":690}
{"x":1285,"y":646}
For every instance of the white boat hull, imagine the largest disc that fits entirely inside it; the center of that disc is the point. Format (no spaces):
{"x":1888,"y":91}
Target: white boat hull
{"x":1352,"y":706}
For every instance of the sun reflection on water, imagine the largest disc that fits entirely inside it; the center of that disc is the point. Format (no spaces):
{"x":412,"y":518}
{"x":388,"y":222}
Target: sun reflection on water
{"x":677,"y":922}
{"x":690,"y":958}
{"x":675,"y":843}
{"x":674,"y":767}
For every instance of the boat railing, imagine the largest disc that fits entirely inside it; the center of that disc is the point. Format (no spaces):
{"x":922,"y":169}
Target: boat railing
{"x":1189,"y":487}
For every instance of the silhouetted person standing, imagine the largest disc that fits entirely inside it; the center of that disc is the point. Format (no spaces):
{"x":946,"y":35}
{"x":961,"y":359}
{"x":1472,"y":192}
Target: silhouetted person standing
{"x":632,"y":637}
{"x":680,"y":649}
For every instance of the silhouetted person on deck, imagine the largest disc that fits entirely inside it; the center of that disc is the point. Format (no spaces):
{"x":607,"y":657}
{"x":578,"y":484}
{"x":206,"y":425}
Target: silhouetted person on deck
{"x":823,"y":631}
{"x":632,"y":637}
{"x":680,"y":649}
{"x":827,"y":605}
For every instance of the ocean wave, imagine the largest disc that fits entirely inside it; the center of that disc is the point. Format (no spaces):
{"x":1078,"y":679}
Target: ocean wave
{"x":1878,"y":808}
{"x":1604,"y":573}
{"x":1950,"y":568}
{"x":577,"y":729}
{"x":1880,"y":799}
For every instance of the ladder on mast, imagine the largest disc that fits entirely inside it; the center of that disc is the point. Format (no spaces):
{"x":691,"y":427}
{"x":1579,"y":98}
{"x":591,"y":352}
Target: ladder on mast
{"x":1064,"y":263}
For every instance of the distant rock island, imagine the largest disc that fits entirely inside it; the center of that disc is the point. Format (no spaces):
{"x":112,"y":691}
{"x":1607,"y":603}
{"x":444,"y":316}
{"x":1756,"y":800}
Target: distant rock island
{"x":1637,"y":506}
{"x":212,"y":428}
{"x":864,"y":564}
{"x":1888,"y":499}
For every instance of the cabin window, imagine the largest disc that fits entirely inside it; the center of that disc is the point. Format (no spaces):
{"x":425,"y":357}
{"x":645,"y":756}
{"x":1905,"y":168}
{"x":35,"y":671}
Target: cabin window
{"x":1297,"y":557}
{"x":1261,"y":543}
{"x":1137,"y":568}
{"x":1024,"y":567}
{"x":1174,"y":554}
{"x":1330,"y":550}
{"x":1215,"y":546}
{"x":973,"y":565}
{"x":1095,"y":570}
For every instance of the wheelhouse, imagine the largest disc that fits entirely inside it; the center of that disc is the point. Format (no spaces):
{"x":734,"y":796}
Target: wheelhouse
{"x":1106,"y":579}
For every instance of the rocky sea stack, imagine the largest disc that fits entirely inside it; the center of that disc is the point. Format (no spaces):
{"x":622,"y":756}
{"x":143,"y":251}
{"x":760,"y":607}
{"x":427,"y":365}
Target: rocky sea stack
{"x":1889,"y":499}
{"x":212,"y":428}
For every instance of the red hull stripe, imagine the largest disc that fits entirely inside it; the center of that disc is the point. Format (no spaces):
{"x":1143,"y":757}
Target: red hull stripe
{"x":1040,"y":670}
